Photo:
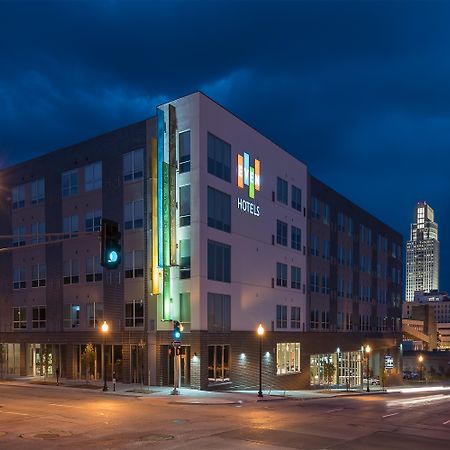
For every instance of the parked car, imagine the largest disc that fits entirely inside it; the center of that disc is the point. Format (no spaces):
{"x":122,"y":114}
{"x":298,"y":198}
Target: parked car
{"x":374,"y":381}
{"x":409,"y":375}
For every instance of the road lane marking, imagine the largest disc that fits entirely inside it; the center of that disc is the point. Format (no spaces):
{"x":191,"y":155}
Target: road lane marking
{"x":445,"y":423}
{"x":64,"y":406}
{"x":334,"y":410}
{"x":16,"y":413}
{"x":389,"y":415}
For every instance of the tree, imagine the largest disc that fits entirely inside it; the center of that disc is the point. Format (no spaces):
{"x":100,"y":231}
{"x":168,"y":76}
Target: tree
{"x":328,"y":372}
{"x":88,"y":360}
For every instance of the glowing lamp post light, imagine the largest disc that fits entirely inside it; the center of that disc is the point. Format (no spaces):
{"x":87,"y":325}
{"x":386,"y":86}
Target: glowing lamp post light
{"x":421,"y":366}
{"x":260,"y":331}
{"x":367,"y":351}
{"x":105,"y":329}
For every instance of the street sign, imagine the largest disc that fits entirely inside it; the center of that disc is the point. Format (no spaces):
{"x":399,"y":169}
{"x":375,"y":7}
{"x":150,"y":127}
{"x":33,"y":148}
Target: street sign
{"x":389,"y":362}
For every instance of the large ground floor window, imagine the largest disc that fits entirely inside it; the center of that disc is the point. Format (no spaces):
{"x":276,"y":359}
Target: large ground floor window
{"x":345,"y":369}
{"x":218,"y":363}
{"x":288,"y":358}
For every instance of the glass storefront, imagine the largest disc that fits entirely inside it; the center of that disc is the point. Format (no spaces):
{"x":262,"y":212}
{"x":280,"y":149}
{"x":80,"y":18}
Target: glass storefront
{"x":340,"y":369}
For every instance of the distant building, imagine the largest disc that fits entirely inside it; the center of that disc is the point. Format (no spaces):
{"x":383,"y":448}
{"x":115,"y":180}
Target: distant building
{"x":422,"y":253}
{"x":438,"y":304}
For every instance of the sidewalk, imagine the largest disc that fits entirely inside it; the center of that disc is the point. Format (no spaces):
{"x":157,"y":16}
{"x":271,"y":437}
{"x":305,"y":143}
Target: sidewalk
{"x":186,"y":395}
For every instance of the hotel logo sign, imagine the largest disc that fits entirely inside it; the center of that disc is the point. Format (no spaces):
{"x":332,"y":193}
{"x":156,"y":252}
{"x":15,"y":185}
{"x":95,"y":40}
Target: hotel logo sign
{"x":248,"y":176}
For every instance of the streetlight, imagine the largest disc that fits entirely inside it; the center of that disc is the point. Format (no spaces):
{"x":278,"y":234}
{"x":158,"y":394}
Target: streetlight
{"x":338,"y":350}
{"x":421,"y":366}
{"x":367,"y":350}
{"x":105,"y":329}
{"x":260,"y":334}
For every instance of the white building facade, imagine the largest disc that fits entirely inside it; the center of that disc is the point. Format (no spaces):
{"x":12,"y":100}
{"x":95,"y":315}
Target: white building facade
{"x":422,"y":253}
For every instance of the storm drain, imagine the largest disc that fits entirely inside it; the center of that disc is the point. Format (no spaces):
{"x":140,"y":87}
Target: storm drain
{"x":156,"y":437}
{"x":46,"y":435}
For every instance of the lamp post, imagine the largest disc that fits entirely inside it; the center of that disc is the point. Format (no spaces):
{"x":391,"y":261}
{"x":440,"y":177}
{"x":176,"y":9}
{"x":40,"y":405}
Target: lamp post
{"x":421,"y":366}
{"x":105,"y":328}
{"x":367,"y":350}
{"x":338,"y":350}
{"x":260,"y":334}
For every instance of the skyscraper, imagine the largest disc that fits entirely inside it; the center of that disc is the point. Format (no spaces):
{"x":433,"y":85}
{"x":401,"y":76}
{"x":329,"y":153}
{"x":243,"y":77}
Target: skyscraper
{"x":422,"y":253}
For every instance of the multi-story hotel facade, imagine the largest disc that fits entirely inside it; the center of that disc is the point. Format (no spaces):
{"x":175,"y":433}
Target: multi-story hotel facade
{"x":220,"y":231}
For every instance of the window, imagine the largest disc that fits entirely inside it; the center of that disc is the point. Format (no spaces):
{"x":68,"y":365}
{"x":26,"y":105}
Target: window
{"x":296,"y":199}
{"x":281,"y":316}
{"x":71,"y":316}
{"x":296,"y":238}
{"x":134,"y":214}
{"x":70,"y":227}
{"x":38,"y":275}
{"x":325,"y":320}
{"x":281,"y":274}
{"x":218,"y":363}
{"x":134,"y":264}
{"x":219,"y":158}
{"x":37,"y":232}
{"x":350,"y":289}
{"x":326,"y":213}
{"x":219,"y":261}
{"x":282,"y":191}
{"x":350,"y":226}
{"x":296,"y":317}
{"x":314,"y":282}
{"x":340,"y":255}
{"x":326,"y":249}
{"x":296,"y":277}
{"x":185,"y":205}
{"x":184,"y":147}
{"x":350,"y":258}
{"x":219,"y":210}
{"x":94,"y":314}
{"x":18,"y":196}
{"x":93,"y":176}
{"x":341,"y":287}
{"x":93,"y":269}
{"x":314,"y":319}
{"x":325,"y":284}
{"x":69,"y":182}
{"x":38,"y":191}
{"x":341,"y":221}
{"x":288,"y":358}
{"x":219,"y":313}
{"x":185,"y":307}
{"x":39,"y":317}
{"x":93,"y":220}
{"x":185,"y":259}
{"x":314,"y":245}
{"x":71,"y":272}
{"x":20,"y":317}
{"x":18,"y":239}
{"x":133,"y":165}
{"x":19,"y":277}
{"x":282,"y":233}
{"x":315,"y":208}
{"x":134,"y":314}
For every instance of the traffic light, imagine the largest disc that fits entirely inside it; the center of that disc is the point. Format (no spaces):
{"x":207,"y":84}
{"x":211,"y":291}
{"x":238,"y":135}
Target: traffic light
{"x":176,"y":331}
{"x":110,"y":244}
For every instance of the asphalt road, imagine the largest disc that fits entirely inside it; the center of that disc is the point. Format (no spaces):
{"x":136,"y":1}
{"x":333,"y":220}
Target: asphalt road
{"x":55,"y":418}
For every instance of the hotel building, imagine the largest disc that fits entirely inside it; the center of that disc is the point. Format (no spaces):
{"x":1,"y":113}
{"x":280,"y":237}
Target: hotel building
{"x":221,"y":230}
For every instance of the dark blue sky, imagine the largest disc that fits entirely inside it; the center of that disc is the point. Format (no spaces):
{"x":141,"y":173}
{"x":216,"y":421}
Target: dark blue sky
{"x":358,"y":91}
